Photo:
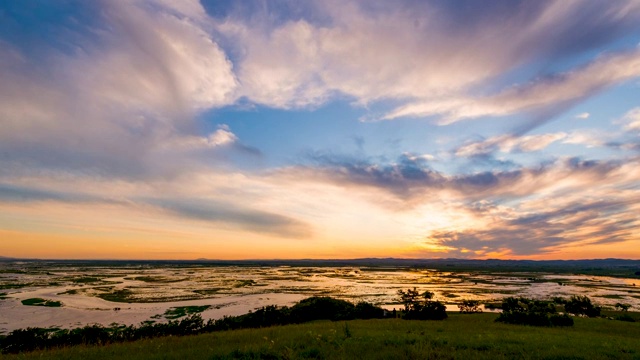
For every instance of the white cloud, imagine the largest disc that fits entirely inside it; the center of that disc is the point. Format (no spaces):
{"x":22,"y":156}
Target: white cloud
{"x":631,"y":119}
{"x":584,"y":115}
{"x":509,"y":143}
{"x":589,"y":138}
{"x":222,"y":136}
{"x":538,"y":95}
{"x":412,"y":54}
{"x":157,"y":60}
{"x":116,"y":100}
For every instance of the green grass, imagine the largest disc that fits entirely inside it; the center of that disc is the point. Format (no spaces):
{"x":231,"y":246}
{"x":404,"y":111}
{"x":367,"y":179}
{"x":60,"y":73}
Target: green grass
{"x":459,"y":337}
{"x":41,"y":302}
{"x":616,"y":313}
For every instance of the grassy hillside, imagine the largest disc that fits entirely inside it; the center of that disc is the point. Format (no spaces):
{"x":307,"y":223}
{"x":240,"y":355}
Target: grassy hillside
{"x":459,"y":337}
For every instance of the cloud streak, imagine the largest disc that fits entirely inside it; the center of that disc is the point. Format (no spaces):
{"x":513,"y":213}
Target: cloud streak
{"x":540,"y":96}
{"x":227,"y":214}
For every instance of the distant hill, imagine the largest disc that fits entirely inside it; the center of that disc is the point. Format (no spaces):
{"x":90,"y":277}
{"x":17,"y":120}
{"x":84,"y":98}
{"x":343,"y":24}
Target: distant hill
{"x":605,"y":267}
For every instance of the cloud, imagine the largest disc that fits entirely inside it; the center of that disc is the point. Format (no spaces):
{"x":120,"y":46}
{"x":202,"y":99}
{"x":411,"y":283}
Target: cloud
{"x":221,"y":139}
{"x":429,"y":56}
{"x":583,"y":222}
{"x":400,"y":177}
{"x":589,"y":138}
{"x":540,"y":96}
{"x":131,"y":80}
{"x":134,"y":82}
{"x":217,"y":212}
{"x":411,"y":179}
{"x":582,"y":116}
{"x":509,"y":143}
{"x":526,"y":211}
{"x":20,"y":194}
{"x":233,"y":215}
{"x":631,"y":120}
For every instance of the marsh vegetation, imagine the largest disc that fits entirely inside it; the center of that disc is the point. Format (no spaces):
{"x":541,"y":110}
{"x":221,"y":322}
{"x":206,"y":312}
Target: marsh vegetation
{"x":130,"y":293}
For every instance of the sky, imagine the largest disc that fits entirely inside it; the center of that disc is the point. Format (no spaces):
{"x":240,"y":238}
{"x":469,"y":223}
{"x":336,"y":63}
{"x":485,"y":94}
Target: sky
{"x":185,"y":129}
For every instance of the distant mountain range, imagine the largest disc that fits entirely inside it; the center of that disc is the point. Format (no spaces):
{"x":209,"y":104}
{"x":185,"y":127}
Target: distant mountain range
{"x":452,"y":263}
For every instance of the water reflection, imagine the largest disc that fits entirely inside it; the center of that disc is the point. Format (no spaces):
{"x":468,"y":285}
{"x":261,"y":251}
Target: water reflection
{"x":90,"y":294}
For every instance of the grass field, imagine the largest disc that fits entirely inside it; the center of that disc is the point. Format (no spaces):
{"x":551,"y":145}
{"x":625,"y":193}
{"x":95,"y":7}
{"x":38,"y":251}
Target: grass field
{"x":459,"y":337}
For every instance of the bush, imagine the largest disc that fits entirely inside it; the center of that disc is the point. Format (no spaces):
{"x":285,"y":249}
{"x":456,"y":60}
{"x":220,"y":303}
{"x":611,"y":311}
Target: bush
{"x":365,"y":310}
{"x":559,"y":300}
{"x":581,"y":305}
{"x":431,"y":310}
{"x":622,"y":307}
{"x":322,"y":308}
{"x":425,"y":309}
{"x":526,"y":311}
{"x":470,"y":306}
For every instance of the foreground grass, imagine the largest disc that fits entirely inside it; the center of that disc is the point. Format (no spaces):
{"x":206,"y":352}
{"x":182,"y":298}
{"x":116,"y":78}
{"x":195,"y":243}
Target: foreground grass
{"x":460,"y":337}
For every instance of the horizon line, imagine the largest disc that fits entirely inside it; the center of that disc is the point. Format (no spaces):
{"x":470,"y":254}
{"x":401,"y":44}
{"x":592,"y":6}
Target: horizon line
{"x":6,"y":258}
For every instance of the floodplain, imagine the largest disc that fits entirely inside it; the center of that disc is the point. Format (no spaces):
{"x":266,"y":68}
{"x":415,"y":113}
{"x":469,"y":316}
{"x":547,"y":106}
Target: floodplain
{"x":72,"y":294}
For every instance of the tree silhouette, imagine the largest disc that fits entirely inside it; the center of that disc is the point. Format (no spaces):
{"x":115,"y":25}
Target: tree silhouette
{"x":420,"y":306}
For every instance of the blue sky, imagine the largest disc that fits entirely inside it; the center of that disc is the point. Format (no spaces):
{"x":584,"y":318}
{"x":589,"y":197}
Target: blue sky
{"x":319,"y":129}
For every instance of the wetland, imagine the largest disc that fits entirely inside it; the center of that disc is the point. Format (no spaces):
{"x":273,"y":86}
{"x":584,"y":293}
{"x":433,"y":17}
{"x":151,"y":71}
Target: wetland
{"x":67,"y":294}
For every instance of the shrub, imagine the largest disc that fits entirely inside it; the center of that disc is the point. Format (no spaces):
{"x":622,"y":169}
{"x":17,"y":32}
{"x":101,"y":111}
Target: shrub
{"x":365,"y":310}
{"x":493,"y":306}
{"x":322,"y":308}
{"x":526,"y":311}
{"x":431,"y":310}
{"x":470,"y":306}
{"x":622,"y":307}
{"x":559,"y":300}
{"x":581,"y":305}
{"x":425,"y":309}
